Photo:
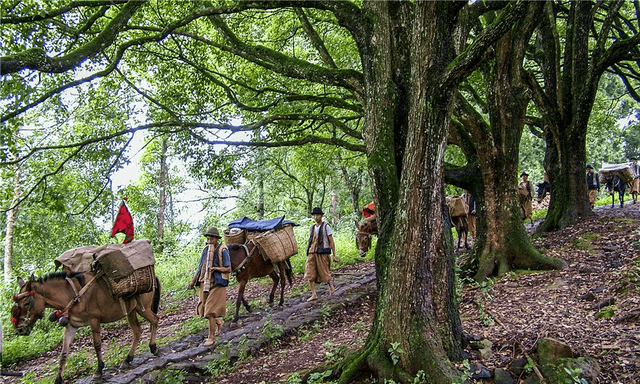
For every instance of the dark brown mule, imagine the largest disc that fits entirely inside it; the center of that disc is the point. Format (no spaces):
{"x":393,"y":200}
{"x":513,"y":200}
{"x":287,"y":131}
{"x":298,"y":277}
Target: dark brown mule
{"x":94,"y":307}
{"x":249,"y":264}
{"x":365,"y":231}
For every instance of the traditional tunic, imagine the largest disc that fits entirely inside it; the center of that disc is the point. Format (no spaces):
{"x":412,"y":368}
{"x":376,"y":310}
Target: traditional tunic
{"x":635,"y":183}
{"x":471,"y":217}
{"x":593,"y":184}
{"x":318,"y":265}
{"x":526,"y":206}
{"x":214,"y":302}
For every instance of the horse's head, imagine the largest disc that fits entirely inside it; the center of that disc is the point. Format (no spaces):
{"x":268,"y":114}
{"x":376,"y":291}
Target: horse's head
{"x":543,"y":189}
{"x":363,"y":238}
{"x":28,"y":309}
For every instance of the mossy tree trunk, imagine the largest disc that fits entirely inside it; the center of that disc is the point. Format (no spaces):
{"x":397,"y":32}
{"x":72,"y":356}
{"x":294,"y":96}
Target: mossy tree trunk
{"x":492,"y":147}
{"x":411,"y":75}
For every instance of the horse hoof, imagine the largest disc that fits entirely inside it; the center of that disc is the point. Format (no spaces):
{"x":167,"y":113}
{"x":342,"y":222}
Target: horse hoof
{"x":126,"y":363}
{"x":154,"y":349}
{"x":97,"y":377}
{"x":58,"y":380}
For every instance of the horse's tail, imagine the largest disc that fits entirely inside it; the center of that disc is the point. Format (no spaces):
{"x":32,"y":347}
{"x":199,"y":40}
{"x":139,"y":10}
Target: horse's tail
{"x":289,"y":271}
{"x":155,"y":304}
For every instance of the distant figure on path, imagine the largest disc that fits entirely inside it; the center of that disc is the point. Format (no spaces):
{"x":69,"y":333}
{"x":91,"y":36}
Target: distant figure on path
{"x":471,"y":213}
{"x":212,"y":278}
{"x":525,"y":192}
{"x":321,"y":245}
{"x":593,"y":184}
{"x":635,"y":183}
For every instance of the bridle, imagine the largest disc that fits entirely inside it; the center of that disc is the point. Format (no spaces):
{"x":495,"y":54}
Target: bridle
{"x":29,"y":306}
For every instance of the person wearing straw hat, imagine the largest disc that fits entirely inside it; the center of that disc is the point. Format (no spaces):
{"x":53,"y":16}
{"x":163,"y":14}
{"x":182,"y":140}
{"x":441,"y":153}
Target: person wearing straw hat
{"x":525,"y":190}
{"x":318,"y":266}
{"x":212,"y":277}
{"x":593,"y":184}
{"x":635,"y":183}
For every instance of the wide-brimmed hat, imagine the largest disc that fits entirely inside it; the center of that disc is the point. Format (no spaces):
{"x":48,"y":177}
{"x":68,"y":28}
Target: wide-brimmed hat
{"x":317,"y":211}
{"x":633,"y":158}
{"x":212,"y":232}
{"x":524,"y":174}
{"x":589,"y":166}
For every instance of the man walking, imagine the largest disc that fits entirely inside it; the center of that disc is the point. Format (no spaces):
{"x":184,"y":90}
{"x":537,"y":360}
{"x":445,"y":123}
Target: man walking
{"x":212,"y":278}
{"x":635,"y":183}
{"x":593,"y":184}
{"x":318,"y":266}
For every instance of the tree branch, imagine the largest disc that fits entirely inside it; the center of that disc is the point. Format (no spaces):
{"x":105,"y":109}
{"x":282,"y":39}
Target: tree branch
{"x":37,"y":59}
{"x":315,"y":39}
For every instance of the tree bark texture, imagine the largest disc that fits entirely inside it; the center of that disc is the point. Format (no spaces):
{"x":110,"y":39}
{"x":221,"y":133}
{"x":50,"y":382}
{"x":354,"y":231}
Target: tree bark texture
{"x":406,"y":124}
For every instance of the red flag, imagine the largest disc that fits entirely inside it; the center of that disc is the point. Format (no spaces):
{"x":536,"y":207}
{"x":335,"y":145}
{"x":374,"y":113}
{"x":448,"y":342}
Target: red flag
{"x":123,"y":223}
{"x":368,"y":210}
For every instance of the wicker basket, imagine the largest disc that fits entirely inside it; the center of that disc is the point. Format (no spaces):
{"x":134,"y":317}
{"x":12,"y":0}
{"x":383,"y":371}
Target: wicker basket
{"x":278,"y":245}
{"x":234,"y":238}
{"x":142,"y":280}
{"x":250,"y":235}
{"x":457,"y":207}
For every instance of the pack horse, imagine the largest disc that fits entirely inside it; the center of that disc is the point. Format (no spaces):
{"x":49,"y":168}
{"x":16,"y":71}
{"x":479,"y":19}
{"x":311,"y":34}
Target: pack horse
{"x":98,"y":285}
{"x":94,"y":306}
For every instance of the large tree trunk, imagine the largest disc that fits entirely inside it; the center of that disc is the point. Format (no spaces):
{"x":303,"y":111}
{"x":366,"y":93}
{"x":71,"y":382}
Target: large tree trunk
{"x":416,"y":307}
{"x":565,"y":162}
{"x":502,"y":242}
{"x":11,"y":221}
{"x":565,"y":102}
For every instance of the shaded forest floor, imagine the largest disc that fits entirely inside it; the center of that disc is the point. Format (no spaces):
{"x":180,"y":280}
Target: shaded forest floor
{"x":603,"y":253}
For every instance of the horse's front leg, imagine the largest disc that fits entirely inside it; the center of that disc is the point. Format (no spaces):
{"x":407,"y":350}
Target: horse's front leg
{"x":97,"y":346}
{"x":283,"y":282}
{"x":136,"y":331}
{"x":69,"y":332}
{"x":276,"y":278}
{"x":240,"y":299}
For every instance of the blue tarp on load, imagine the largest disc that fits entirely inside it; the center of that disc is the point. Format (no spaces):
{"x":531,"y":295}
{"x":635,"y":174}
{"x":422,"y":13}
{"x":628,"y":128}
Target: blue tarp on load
{"x":264,"y":225}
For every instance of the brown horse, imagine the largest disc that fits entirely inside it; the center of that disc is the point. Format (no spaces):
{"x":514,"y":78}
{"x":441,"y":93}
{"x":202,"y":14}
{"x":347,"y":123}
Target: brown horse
{"x":365,"y":231}
{"x":94,"y":307}
{"x":247,"y":263}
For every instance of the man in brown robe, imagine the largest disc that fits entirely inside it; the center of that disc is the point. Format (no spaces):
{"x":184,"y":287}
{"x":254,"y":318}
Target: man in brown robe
{"x":318,"y":266}
{"x":212,"y":277}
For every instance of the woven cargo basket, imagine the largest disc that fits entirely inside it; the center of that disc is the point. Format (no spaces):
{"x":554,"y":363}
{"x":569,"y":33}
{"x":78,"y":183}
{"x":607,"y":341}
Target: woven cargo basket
{"x":142,"y":280}
{"x":250,"y":235}
{"x":234,"y":238}
{"x":457,"y":207}
{"x":278,"y":245}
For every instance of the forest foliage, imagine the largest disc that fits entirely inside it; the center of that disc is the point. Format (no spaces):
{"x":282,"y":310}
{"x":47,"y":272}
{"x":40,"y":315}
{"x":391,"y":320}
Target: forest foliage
{"x":226,"y":109}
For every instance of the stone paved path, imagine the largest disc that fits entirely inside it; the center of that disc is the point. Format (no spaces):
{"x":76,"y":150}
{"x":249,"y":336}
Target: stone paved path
{"x":248,"y":335}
